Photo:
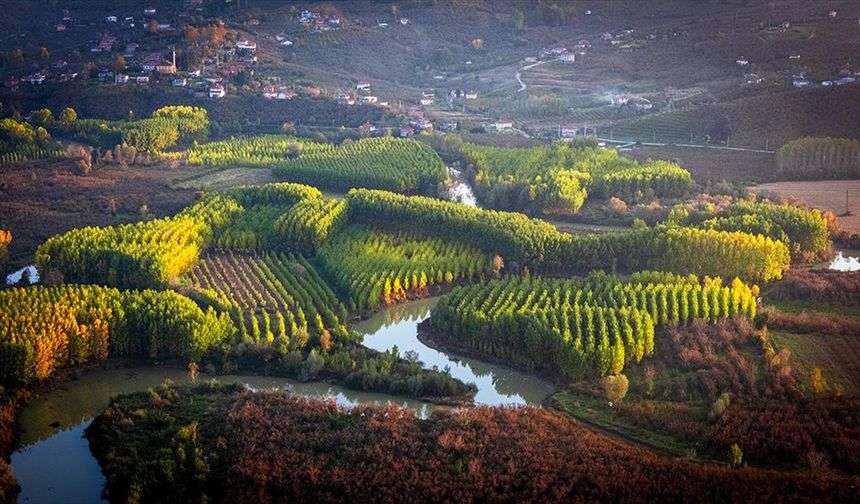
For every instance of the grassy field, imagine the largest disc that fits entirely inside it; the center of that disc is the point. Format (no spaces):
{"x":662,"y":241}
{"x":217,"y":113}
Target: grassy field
{"x":837,"y":357}
{"x":596,"y":413}
{"x":208,"y":179}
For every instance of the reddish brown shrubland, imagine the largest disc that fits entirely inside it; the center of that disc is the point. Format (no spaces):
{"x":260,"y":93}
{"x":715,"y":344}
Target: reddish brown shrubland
{"x":826,"y":286}
{"x":282,"y":448}
{"x":786,"y":432}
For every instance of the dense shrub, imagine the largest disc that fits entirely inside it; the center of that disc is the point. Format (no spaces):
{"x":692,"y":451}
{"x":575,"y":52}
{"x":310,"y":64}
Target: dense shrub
{"x":271,"y":447}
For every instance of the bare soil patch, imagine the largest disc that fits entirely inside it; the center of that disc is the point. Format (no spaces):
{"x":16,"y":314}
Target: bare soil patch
{"x":825,"y":195}
{"x":41,"y":199}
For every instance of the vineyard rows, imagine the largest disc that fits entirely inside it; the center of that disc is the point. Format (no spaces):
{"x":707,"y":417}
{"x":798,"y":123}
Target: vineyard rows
{"x":274,"y":299}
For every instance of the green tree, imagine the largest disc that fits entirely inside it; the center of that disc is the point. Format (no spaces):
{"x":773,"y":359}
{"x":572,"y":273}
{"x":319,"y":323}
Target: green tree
{"x":736,"y":456}
{"x":615,"y":388}
{"x":68,"y":116}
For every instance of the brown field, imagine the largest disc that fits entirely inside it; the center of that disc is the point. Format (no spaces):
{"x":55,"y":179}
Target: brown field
{"x":826,"y":195}
{"x":714,"y":165}
{"x":838,"y":357}
{"x":38,"y":200}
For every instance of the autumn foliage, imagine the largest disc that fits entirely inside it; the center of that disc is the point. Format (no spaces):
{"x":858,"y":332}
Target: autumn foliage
{"x":275,"y":447}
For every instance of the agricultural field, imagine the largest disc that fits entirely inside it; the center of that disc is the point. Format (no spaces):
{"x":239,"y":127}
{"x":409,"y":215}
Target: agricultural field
{"x":838,"y":357}
{"x":382,"y":163}
{"x":379,"y":268}
{"x":277,"y":299}
{"x":595,"y":264}
{"x":830,"y":195}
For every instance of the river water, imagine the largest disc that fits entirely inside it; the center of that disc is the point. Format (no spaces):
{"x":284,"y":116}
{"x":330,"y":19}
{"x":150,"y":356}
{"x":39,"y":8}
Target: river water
{"x":54,"y":463}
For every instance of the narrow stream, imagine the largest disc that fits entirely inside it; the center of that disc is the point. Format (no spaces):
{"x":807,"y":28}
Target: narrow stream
{"x":54,"y":463}
{"x":460,"y":190}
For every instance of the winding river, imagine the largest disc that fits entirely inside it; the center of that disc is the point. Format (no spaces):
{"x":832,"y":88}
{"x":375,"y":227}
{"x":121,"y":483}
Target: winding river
{"x":54,"y":463}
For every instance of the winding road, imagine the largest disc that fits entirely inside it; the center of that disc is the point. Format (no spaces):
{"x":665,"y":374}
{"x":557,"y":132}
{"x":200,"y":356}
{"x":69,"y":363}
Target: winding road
{"x":519,"y":75}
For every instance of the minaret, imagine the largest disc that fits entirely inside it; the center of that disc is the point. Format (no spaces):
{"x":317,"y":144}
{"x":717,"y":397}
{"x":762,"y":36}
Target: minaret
{"x":174,"y":59}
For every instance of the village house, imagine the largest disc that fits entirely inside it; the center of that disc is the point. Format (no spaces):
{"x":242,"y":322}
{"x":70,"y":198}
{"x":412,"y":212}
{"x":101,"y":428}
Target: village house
{"x":643,"y":105}
{"x":151,"y":61}
{"x":426,"y":101}
{"x":413,"y":111}
{"x":149,"y":11}
{"x":110,"y":19}
{"x":366,"y":128}
{"x":362,"y":86}
{"x":142,"y":79}
{"x":120,"y":78}
{"x":801,"y":83}
{"x":246,"y":45}
{"x":619,"y":100}
{"x":428,"y":94}
{"x":742,"y":61}
{"x":471,"y":95}
{"x":503,"y":124}
{"x":568,"y":57}
{"x":35,"y":78}
{"x":423,"y":124}
{"x":179,"y":82}
{"x":368,"y":99}
{"x":217,"y":91}
{"x":167,"y":67}
{"x":406,"y":131}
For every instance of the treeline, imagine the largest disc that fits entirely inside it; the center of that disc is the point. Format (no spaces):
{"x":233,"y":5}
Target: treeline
{"x":400,"y":165}
{"x":810,"y":158}
{"x":167,"y":127}
{"x":239,"y":114}
{"x":393,"y":164}
{"x":150,"y":254}
{"x":43,"y":329}
{"x":255,"y":229}
{"x":803,"y":230}
{"x":576,"y":328}
{"x":557,"y":178}
{"x":308,"y":224}
{"x":378,"y":268}
{"x":513,"y":236}
{"x":21,"y":140}
{"x":5,"y":240}
{"x":147,"y":254}
{"x":230,"y":444}
{"x":524,"y":242}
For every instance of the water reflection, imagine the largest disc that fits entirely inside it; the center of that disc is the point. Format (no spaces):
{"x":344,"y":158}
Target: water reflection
{"x":54,"y":463}
{"x":497,"y":385}
{"x":843,"y":263}
{"x":460,"y":189}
